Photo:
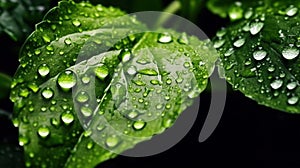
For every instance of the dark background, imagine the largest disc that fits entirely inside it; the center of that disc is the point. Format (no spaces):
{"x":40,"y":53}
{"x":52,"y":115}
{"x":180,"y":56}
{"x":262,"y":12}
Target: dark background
{"x":248,"y":135}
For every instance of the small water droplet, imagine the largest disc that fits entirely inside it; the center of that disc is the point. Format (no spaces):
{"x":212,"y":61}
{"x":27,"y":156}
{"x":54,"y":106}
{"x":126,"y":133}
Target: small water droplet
{"x":293,"y":100}
{"x":154,"y":82}
{"x":139,"y":125}
{"x":139,"y":82}
{"x":23,"y":140}
{"x":150,"y":72}
{"x":229,"y":52}
{"x":46,"y":38}
{"x":47,"y":93}
{"x":291,"y":11}
{"x":235,"y":11}
{"x":132,"y":114}
{"x":219,"y":43}
{"x":248,"y":14}
{"x":76,"y":23}
{"x":112,"y":142}
{"x":67,"y":118}
{"x":43,"y":132}
{"x":68,"y":41}
{"x":85,"y":79}
{"x":125,"y":55}
{"x":86,"y":111}
{"x":54,"y":122}
{"x":82,"y":97}
{"x":101,"y":72}
{"x":66,"y":80}
{"x":239,"y":42}
{"x":90,"y":145}
{"x":256,"y":27}
{"x":271,"y":69}
{"x":259,"y":55}
{"x":183,"y":39}
{"x":164,"y":38}
{"x":131,"y":70}
{"x":276,"y":84}
{"x":169,"y":81}
{"x":43,"y":70}
{"x":290,"y":53}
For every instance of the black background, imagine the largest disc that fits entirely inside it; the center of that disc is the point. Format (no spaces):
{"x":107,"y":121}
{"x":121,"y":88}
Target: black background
{"x":248,"y":135}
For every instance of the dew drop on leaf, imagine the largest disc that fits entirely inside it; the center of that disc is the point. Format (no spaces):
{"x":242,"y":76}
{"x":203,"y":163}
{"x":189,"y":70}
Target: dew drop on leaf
{"x":82,"y":97}
{"x":219,"y":43}
{"x":150,"y":72}
{"x":290,"y":53}
{"x":291,"y":11}
{"x":76,"y":23}
{"x":239,"y":42}
{"x":67,"y":117}
{"x":23,"y":140}
{"x":183,"y":39}
{"x":43,"y":132}
{"x":68,"y":41}
{"x":276,"y":84}
{"x":229,"y":52}
{"x":47,"y":93}
{"x":131,"y":70}
{"x":164,"y":38}
{"x":85,"y":79}
{"x":256,"y":27}
{"x":291,"y":85}
{"x":112,"y":141}
{"x":293,"y":100}
{"x":101,"y":72}
{"x":86,"y":111}
{"x":43,"y":70}
{"x":66,"y":80}
{"x":139,"y":125}
{"x":125,"y":55}
{"x":259,"y":55}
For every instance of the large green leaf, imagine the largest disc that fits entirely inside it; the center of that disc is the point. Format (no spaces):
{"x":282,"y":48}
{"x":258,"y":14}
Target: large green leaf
{"x":17,"y":18}
{"x":260,"y":55}
{"x":70,"y":84}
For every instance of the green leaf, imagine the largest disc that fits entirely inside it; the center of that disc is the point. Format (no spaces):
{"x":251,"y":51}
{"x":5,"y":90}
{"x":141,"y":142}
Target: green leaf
{"x":191,"y":8}
{"x":17,"y":18}
{"x":5,"y":82}
{"x":260,"y":55}
{"x":75,"y":67}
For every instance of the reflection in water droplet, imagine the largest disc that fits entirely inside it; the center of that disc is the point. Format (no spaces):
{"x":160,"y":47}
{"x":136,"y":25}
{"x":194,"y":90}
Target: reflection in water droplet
{"x":276,"y":84}
{"x":66,"y":80}
{"x":43,"y":132}
{"x":290,"y":53}
{"x":256,"y":27}
{"x":259,"y":55}
{"x":164,"y":38}
{"x":43,"y":70}
{"x":47,"y":93}
{"x":229,"y":52}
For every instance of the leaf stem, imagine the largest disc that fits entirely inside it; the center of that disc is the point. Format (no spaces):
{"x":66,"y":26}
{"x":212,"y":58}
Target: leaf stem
{"x":171,"y":8}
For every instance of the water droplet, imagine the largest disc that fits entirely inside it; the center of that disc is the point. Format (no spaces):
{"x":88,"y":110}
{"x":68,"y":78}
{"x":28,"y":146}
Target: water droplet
{"x":271,"y":69}
{"x":54,"y":122}
{"x":101,"y":72}
{"x":50,"y":48}
{"x":293,"y":100}
{"x":154,"y":82}
{"x":47,"y":93}
{"x":164,"y":38}
{"x":259,"y":55}
{"x":112,"y":142}
{"x":229,"y":52}
{"x":68,"y":41}
{"x":183,"y":39}
{"x":90,"y":145}
{"x":139,"y":82}
{"x":100,"y":127}
{"x":221,"y":32}
{"x":37,"y":52}
{"x":47,"y":39}
{"x":256,"y":27}
{"x":23,"y":140}
{"x":131,"y":70}
{"x":291,"y":85}
{"x":86,"y":111}
{"x":276,"y":84}
{"x":139,"y":125}
{"x":291,"y":11}
{"x":150,"y":72}
{"x":248,"y":14}
{"x":239,"y":42}
{"x":186,"y":64}
{"x":169,"y":81}
{"x":125,"y":55}
{"x":132,"y":114}
{"x":67,"y":118}
{"x":82,"y":97}
{"x":219,"y":43}
{"x":43,"y":132}
{"x":43,"y":70}
{"x":16,"y":122}
{"x":76,"y":23}
{"x":86,"y":79}
{"x":290,"y":53}
{"x":235,"y":12}
{"x":66,"y":80}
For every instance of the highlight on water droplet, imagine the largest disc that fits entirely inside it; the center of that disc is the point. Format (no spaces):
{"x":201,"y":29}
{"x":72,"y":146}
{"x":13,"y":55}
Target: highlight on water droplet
{"x":86,"y":111}
{"x":82,"y":97}
{"x":239,"y":42}
{"x":76,"y":23}
{"x":259,"y":55}
{"x":293,"y":100}
{"x":112,"y":141}
{"x":165,"y":38}
{"x":290,"y":53}
{"x":291,"y":11}
{"x":47,"y":93}
{"x":276,"y":84}
{"x":67,"y":117}
{"x":66,"y":80}
{"x":23,"y":140}
{"x":43,"y":70}
{"x":125,"y":55}
{"x":139,"y":125}
{"x":256,"y":27}
{"x":43,"y":132}
{"x":101,"y":72}
{"x":150,"y":72}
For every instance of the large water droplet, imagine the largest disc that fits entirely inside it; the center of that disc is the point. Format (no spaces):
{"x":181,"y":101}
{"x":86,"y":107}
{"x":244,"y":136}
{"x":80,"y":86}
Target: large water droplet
{"x":112,"y":142}
{"x":66,"y":80}
{"x":290,"y":53}
{"x":139,"y":125}
{"x":101,"y":72}
{"x":43,"y":70}
{"x":293,"y":100}
{"x":164,"y":38}
{"x":259,"y":55}
{"x":291,"y":11}
{"x":150,"y":72}
{"x":43,"y":132}
{"x":256,"y":27}
{"x":82,"y":97}
{"x":67,"y":118}
{"x":276,"y":84}
{"x":47,"y":93}
{"x":239,"y":42}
